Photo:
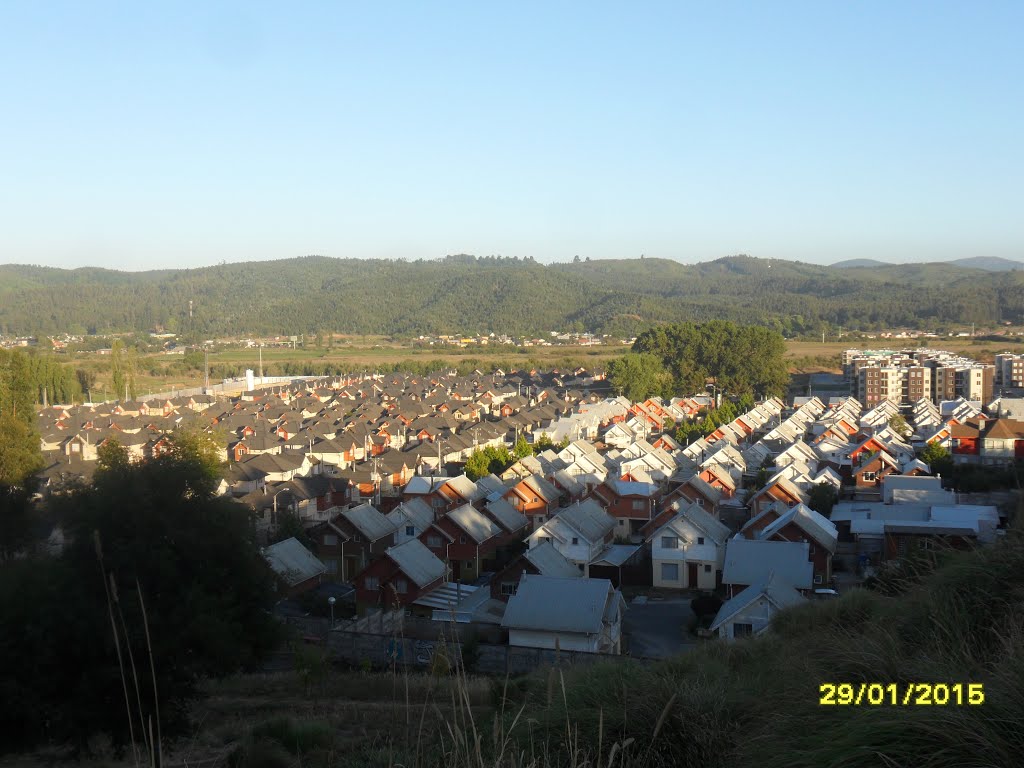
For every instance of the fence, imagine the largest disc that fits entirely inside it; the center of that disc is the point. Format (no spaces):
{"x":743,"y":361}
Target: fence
{"x":377,"y":650}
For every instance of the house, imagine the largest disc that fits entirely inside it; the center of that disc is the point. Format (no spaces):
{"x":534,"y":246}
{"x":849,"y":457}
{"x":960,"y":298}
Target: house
{"x":752,"y":609}
{"x":411,"y":518}
{"x":534,"y":497}
{"x":464,"y":538}
{"x":688,"y":551}
{"x":401,"y":575}
{"x":870,"y":473}
{"x":748,"y":561}
{"x":580,"y":532}
{"x":803,"y":524}
{"x":566,"y":614}
{"x":297,"y":569}
{"x":543,"y":560}
{"x":631,"y":503}
{"x":364,"y":534}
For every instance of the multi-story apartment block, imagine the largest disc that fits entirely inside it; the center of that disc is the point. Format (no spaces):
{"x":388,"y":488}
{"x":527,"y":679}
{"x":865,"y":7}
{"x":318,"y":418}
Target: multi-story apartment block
{"x":1009,"y":370}
{"x":908,"y":376}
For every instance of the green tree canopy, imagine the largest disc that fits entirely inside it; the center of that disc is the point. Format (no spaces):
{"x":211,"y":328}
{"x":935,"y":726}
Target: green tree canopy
{"x":639,"y":375}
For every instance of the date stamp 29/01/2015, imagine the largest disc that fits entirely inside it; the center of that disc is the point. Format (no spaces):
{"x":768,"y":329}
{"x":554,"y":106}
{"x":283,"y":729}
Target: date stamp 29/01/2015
{"x":901,"y":694}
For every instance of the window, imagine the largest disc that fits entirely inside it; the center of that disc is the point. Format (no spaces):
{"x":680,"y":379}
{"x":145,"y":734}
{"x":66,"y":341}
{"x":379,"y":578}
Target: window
{"x":434,"y":541}
{"x":670,"y":571}
{"x":508,"y":588}
{"x":869,"y":477}
{"x":401,"y":586}
{"x":371,"y":583}
{"x":332,"y":565}
{"x":700,"y":539}
{"x":330,"y":540}
{"x":819,"y":579}
{"x":707,"y":568}
{"x":536,"y":500}
{"x":621,"y":523}
{"x":670,"y":542}
{"x":575,"y":539}
{"x":742,"y":630}
{"x":700,"y":502}
{"x":462,"y":539}
{"x":357,"y":538}
{"x":810,"y":549}
{"x":639,"y":504}
{"x":410,"y":530}
{"x":545,"y":539}
{"x":469,"y":564}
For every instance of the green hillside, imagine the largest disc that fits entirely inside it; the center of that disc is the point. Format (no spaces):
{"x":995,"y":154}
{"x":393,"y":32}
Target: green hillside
{"x":468,"y":294}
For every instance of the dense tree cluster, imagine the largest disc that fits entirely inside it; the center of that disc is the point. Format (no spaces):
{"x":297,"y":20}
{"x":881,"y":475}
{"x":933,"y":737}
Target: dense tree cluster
{"x":160,"y":585}
{"x":468,"y":294}
{"x":740,"y":359}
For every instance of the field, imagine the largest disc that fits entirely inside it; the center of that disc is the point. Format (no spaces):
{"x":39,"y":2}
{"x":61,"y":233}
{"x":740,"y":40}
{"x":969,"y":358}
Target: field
{"x":166,"y":373}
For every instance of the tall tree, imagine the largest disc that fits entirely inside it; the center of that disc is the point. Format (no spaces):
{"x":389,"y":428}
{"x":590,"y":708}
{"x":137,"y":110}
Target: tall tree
{"x":638,"y":376}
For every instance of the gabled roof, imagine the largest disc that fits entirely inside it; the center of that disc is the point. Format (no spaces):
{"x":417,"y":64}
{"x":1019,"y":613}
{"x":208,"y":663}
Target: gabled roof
{"x":550,"y":562}
{"x":417,"y":562}
{"x":508,"y":517}
{"x":749,"y":560}
{"x":587,"y":518}
{"x":552,"y":604}
{"x":476,"y":525}
{"x":780,"y":595}
{"x":368,"y":521}
{"x":815,"y":525}
{"x":292,"y":562}
{"x":415,"y":511}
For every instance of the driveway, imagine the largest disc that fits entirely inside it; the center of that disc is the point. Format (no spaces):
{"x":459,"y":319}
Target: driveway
{"x":658,"y":628}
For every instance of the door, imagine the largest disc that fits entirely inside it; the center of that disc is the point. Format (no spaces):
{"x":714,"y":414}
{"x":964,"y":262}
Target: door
{"x":691,"y":575}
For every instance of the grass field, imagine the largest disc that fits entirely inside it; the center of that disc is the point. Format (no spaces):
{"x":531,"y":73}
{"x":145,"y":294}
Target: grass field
{"x":160,"y":373}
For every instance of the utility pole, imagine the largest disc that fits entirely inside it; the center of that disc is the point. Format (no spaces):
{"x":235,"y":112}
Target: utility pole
{"x":206,"y":367}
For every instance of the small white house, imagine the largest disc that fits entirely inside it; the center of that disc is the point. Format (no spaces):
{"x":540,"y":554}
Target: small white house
{"x":688,"y":551}
{"x":568,"y":614}
{"x":579,"y":532}
{"x":751,"y":611}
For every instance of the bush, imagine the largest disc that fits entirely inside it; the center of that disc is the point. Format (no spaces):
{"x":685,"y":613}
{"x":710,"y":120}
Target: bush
{"x":706,"y":605}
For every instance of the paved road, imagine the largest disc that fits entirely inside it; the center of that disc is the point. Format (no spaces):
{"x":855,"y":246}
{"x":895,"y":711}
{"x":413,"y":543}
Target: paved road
{"x":659,"y":628}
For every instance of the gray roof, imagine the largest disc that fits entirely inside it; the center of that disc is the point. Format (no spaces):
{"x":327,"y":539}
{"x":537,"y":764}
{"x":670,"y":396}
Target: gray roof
{"x":510,"y":518}
{"x":781,"y":595}
{"x":552,"y":604}
{"x":747,"y":561}
{"x":292,"y":562}
{"x":368,"y":521}
{"x":416,"y":511}
{"x":588,"y":518}
{"x":474,"y":523}
{"x":550,"y":562}
{"x":815,"y":525}
{"x":417,"y":562}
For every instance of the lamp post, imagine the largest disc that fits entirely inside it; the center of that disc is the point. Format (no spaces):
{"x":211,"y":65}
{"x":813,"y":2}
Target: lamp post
{"x":330,"y":602}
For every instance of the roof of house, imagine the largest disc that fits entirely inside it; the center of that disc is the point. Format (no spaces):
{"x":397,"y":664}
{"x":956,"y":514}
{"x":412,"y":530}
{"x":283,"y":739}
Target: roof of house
{"x":588,"y":518}
{"x":476,"y":525}
{"x":778,"y":593}
{"x":554,"y":604}
{"x":550,"y":562}
{"x":510,"y":518}
{"x":292,"y":562}
{"x":417,"y":562}
{"x":749,"y":560}
{"x":815,"y":525}
{"x":415,"y":510}
{"x":368,"y":521}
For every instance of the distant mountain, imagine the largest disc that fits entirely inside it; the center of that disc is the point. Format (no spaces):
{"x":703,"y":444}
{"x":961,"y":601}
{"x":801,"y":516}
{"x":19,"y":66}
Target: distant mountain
{"x":860,"y":263}
{"x":467,"y":294}
{"x":988,"y":263}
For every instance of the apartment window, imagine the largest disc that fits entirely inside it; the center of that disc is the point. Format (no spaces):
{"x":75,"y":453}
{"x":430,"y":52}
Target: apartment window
{"x":670,"y":571}
{"x":508,"y":588}
{"x":410,"y":530}
{"x":401,"y":586}
{"x":742,"y":630}
{"x":670,"y":542}
{"x":434,"y":541}
{"x":330,"y":540}
{"x":371,"y":583}
{"x":700,"y":539}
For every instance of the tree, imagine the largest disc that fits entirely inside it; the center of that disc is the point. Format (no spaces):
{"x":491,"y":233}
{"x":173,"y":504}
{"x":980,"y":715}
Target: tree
{"x":289,"y":525}
{"x":638,"y":375}
{"x":204,"y":448}
{"x":86,"y":380}
{"x":899,"y":425}
{"x":117,"y":370}
{"x":112,"y":456}
{"x":487,"y":461}
{"x":522,"y":448}
{"x":937,"y":458}
{"x":822,"y":498}
{"x":156,"y":560}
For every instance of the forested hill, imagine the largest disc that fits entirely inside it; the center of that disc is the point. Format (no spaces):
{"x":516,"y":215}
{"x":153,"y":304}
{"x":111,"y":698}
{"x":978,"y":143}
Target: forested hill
{"x":505,"y":295}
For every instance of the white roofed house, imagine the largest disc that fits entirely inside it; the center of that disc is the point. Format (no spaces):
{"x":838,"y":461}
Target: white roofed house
{"x":411,"y":518}
{"x":566,"y":614}
{"x":580,"y":532}
{"x":688,"y":551}
{"x":297,"y":569}
{"x":750,"y":612}
{"x":749,"y":561}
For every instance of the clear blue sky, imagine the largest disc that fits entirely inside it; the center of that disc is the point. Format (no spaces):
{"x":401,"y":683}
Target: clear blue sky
{"x":142,"y":135}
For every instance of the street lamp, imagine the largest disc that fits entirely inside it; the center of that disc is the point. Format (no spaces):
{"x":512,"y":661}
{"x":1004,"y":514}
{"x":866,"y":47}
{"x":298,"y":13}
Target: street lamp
{"x":330,"y":602}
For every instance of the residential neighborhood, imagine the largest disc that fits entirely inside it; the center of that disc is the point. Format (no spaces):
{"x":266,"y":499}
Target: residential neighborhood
{"x":604,"y":508}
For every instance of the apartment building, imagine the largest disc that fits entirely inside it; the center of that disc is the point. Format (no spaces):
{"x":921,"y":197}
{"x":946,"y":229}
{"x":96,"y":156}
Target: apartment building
{"x":908,"y":376}
{"x":1009,"y":370}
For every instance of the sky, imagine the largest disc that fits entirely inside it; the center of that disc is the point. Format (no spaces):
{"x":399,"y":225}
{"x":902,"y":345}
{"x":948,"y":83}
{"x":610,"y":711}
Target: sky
{"x":155,"y":135}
